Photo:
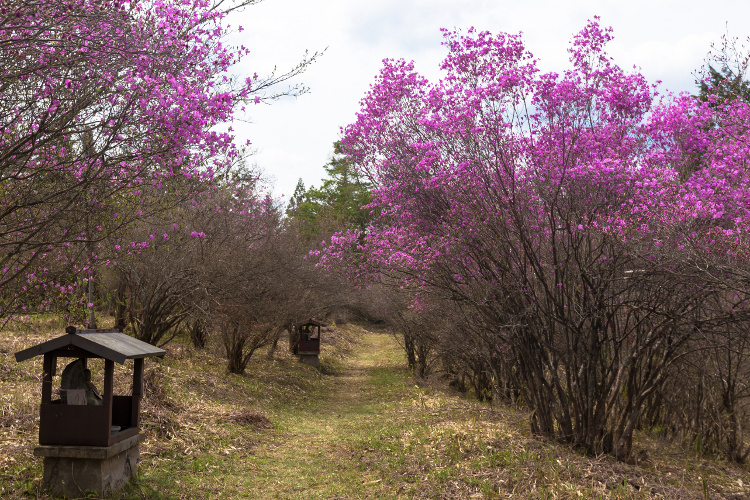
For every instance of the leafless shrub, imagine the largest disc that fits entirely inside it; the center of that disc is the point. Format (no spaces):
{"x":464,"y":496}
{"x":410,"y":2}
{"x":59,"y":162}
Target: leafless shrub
{"x":706,"y":397}
{"x":198,"y":332}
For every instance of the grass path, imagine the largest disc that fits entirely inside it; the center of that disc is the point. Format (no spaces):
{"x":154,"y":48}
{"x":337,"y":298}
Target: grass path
{"x":311,"y":454}
{"x":374,"y":434}
{"x":365,"y":431}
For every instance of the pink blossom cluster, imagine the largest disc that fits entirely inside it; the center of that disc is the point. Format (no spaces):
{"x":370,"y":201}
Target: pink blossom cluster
{"x":579,"y":222}
{"x":496,"y":145}
{"x":103,"y":104}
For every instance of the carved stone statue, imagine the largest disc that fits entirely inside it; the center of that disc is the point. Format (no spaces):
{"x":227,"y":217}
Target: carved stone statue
{"x":76,"y":385}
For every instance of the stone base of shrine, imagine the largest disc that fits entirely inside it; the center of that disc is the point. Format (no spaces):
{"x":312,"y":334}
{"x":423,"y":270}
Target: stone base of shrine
{"x":78,"y":471}
{"x":310,"y":359}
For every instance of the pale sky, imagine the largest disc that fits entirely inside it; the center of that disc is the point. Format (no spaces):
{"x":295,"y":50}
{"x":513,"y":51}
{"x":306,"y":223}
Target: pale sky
{"x":667,"y":39}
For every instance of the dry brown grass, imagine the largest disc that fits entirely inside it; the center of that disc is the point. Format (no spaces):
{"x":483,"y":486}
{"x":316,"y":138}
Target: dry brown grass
{"x":248,"y":418}
{"x":365,"y":430}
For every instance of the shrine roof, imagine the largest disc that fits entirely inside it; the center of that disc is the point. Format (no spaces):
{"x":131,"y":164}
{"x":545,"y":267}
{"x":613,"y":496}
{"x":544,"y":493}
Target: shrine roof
{"x":102,"y":343}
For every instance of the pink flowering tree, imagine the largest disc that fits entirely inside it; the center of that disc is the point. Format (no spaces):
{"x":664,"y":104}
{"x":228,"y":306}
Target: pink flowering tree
{"x":704,"y":239}
{"x":98,"y":100}
{"x":539,"y":203}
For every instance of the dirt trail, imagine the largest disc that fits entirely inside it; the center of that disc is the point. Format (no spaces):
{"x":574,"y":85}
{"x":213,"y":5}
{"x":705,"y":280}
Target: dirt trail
{"x":311,"y":453}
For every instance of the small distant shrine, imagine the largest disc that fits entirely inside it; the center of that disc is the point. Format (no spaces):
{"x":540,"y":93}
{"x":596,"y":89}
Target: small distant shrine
{"x":89,"y":439}
{"x":308,"y":343}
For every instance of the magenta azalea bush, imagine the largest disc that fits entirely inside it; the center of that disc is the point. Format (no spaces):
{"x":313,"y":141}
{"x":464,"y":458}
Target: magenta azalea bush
{"x":109,"y":111}
{"x":122,"y":189}
{"x":586,"y":233}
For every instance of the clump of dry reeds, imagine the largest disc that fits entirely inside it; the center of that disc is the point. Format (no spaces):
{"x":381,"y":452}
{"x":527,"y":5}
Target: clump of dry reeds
{"x":247,"y":417}
{"x":160,"y":409}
